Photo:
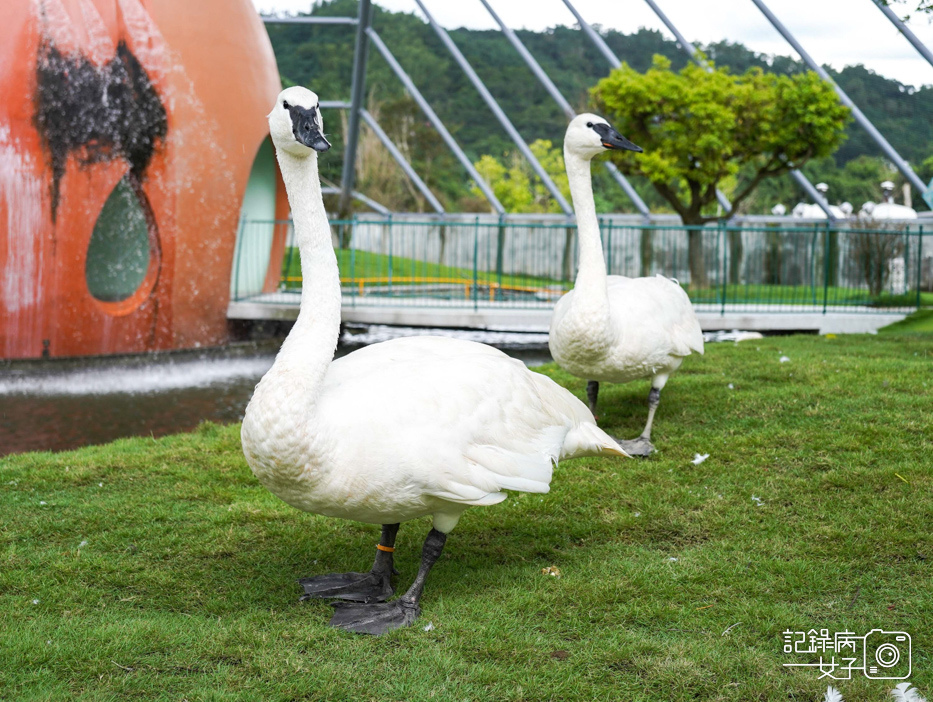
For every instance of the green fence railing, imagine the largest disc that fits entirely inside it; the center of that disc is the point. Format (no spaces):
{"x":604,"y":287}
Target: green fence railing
{"x":478,"y":261}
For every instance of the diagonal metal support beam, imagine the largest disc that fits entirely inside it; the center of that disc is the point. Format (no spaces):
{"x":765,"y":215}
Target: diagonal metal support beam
{"x":866,"y":124}
{"x":905,"y":30}
{"x":308,"y":19}
{"x":691,"y":50}
{"x":435,"y":120}
{"x":614,"y":62}
{"x":593,"y":36}
{"x":356,"y":105}
{"x":548,"y":84}
{"x":381,"y":209}
{"x":401,"y":160}
{"x":497,"y":111}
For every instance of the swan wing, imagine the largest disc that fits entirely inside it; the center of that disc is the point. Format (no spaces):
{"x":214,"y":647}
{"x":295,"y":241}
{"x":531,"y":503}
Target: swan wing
{"x":455,"y":420}
{"x":656,"y":311}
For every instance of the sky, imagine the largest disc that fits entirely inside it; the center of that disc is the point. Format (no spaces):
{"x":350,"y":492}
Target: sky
{"x":835,"y":32}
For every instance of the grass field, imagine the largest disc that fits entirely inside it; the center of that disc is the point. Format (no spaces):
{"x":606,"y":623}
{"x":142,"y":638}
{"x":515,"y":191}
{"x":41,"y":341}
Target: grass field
{"x":356,"y":264}
{"x":160,"y":569}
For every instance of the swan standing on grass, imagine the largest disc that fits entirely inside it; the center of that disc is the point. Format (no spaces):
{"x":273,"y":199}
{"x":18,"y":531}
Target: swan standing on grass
{"x":611,"y":328}
{"x":398,"y":430}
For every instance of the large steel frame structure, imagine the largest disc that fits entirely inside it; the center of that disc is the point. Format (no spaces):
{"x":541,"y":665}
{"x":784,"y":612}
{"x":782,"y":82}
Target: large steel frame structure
{"x":366,"y":35}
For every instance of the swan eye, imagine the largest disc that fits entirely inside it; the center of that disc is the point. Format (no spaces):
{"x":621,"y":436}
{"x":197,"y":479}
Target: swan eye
{"x":589,"y":124}
{"x":285,"y":104}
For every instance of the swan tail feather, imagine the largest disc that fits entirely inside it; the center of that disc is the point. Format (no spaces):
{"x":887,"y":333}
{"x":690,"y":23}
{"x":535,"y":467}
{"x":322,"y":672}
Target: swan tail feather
{"x":492,"y":469}
{"x":587,"y":439}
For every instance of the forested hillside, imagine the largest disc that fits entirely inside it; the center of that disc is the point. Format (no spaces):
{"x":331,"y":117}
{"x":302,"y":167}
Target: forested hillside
{"x":321,"y":57}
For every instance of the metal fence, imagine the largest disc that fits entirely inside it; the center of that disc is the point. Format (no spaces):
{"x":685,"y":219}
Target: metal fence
{"x":482,"y":260}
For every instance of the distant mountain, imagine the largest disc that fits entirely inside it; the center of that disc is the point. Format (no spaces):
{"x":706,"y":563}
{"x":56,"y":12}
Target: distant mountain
{"x":321,"y":57}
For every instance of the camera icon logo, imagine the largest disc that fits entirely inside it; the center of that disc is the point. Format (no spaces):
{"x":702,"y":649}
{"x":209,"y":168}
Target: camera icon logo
{"x":887,"y":655}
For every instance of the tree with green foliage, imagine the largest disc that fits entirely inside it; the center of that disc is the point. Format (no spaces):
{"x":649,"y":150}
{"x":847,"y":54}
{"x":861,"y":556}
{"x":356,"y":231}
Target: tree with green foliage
{"x":699,"y":128}
{"x":515,"y":184}
{"x":921,"y":5}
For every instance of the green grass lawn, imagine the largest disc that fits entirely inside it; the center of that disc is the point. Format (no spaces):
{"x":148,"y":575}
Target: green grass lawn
{"x":920,"y":322}
{"x":161,"y":570}
{"x":355,"y":264}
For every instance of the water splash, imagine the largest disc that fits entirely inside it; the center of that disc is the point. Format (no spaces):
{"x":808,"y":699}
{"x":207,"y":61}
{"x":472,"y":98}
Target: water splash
{"x":136,"y":380}
{"x":379,"y":332}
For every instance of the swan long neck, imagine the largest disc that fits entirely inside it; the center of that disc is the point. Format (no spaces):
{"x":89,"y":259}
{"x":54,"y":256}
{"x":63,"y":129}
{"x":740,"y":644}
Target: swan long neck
{"x":309,"y":347}
{"x":590,"y":285}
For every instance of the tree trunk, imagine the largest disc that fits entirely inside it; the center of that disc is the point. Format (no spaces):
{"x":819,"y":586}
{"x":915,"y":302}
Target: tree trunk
{"x":647,"y":251}
{"x":772,"y":272}
{"x":696,"y":259}
{"x":567,"y":262}
{"x":443,"y":244}
{"x":736,"y":251}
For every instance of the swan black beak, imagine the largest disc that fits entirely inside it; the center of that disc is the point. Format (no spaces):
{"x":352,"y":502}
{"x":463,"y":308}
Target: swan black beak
{"x":611,"y":139}
{"x":305,"y":129}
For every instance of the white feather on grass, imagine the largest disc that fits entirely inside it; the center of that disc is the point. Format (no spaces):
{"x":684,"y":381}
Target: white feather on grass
{"x":833,"y":695}
{"x":905,"y":693}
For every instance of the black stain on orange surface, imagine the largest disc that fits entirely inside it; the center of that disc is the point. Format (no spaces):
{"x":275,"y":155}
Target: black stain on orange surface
{"x":99,"y":113}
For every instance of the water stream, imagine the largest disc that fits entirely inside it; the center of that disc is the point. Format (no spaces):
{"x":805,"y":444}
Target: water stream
{"x":56,"y":405}
{"x":62,"y":404}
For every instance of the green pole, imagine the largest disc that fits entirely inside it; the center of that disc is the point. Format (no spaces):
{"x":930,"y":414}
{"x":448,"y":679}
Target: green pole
{"x":389,"y":218}
{"x":919,"y":263}
{"x":475,"y":262}
{"x":724,"y":250}
{"x":826,"y":267}
{"x":609,"y":247}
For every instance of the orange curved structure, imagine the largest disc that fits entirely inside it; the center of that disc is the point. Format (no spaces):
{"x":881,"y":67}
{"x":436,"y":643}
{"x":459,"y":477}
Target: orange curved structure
{"x":128,"y":132}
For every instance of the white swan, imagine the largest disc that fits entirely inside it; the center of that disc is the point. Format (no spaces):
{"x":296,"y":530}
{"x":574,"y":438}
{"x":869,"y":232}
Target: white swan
{"x":612,"y":328}
{"x":398,"y":430}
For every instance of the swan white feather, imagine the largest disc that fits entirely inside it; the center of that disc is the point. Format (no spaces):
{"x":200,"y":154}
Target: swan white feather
{"x":401,"y":429}
{"x":654,"y":329}
{"x":612,"y":328}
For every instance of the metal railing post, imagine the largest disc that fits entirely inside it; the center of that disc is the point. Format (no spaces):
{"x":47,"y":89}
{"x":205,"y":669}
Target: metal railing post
{"x":390,"y":254}
{"x":919,"y":264}
{"x":609,"y":248}
{"x":724,"y":248}
{"x":826,"y":268}
{"x":288,"y":261}
{"x":500,"y":245}
{"x":476,"y":263}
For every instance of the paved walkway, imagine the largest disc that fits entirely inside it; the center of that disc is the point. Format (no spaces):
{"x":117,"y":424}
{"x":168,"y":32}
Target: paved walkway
{"x":535,"y":316}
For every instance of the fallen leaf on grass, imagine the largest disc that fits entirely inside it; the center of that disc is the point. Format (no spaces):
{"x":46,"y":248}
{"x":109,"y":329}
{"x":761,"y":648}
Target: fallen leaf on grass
{"x":552,"y":571}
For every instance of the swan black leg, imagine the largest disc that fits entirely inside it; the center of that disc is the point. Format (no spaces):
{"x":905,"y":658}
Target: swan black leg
{"x":385,"y":616}
{"x":592,"y":393}
{"x":642,"y":446}
{"x":374,"y":586}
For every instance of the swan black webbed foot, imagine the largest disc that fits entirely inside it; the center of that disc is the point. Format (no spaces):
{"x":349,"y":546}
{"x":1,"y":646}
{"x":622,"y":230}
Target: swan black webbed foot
{"x":376,"y":618}
{"x":381,"y":617}
{"x":355,"y":587}
{"x":374,"y":586}
{"x":641,"y":446}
